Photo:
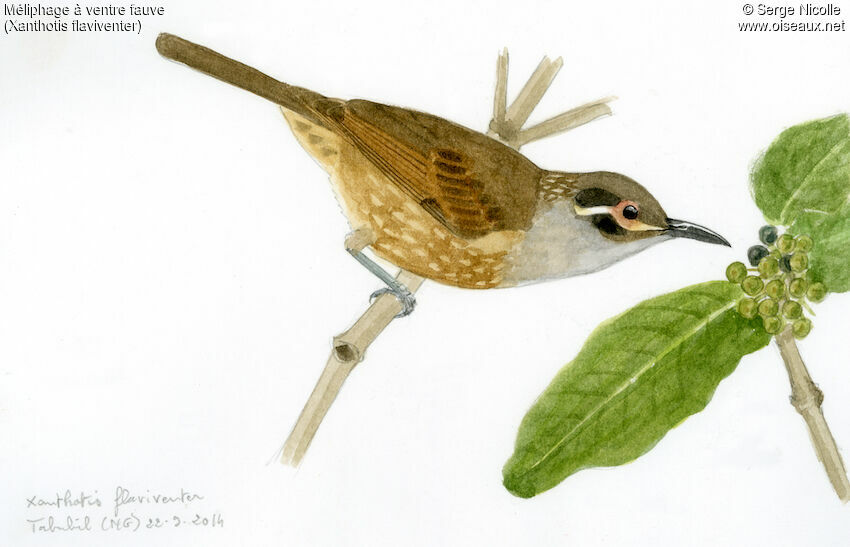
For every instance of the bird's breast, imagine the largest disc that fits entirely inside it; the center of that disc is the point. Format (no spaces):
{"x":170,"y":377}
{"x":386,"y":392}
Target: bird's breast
{"x":560,"y":244}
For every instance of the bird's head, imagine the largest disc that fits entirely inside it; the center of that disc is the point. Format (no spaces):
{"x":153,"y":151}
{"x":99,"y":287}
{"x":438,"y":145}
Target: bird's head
{"x":624,"y":211}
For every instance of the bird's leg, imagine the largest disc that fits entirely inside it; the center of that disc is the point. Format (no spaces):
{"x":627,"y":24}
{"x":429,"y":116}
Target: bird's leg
{"x":358,"y":240}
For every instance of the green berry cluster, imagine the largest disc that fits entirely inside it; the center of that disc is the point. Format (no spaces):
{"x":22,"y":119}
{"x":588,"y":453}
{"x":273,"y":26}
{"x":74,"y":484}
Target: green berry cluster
{"x":778,"y":284}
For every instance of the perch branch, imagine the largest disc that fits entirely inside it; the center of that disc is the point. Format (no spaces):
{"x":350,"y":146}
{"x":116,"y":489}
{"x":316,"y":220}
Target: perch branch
{"x":806,"y":397}
{"x":350,"y":347}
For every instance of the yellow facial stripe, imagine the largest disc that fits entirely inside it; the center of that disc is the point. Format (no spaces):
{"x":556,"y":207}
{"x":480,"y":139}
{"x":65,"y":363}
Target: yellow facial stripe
{"x":598,"y":210}
{"x":631,"y":225}
{"x":638,"y":226}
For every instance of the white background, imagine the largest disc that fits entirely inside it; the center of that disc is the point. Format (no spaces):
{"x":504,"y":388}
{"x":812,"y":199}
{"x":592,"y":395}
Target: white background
{"x":172,"y":271}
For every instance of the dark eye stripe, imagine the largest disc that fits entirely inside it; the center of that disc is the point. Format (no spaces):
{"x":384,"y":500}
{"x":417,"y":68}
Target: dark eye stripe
{"x":593,"y":197}
{"x":630,"y":212}
{"x":606,"y":225}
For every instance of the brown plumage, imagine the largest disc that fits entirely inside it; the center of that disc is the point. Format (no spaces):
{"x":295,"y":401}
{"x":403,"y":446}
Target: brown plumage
{"x":444,"y":201}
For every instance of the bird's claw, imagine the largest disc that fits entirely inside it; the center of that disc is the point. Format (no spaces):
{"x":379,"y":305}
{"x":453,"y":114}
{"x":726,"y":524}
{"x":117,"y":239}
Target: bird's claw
{"x":405,"y":298}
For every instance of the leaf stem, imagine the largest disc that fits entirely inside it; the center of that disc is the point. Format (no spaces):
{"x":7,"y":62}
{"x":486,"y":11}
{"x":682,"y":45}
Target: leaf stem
{"x":806,"y":397}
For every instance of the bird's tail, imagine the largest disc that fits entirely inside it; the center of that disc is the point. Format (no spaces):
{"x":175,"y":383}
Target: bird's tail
{"x":297,"y":99}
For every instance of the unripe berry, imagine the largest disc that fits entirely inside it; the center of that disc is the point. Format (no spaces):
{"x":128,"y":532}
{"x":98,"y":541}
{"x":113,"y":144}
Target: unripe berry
{"x":804,"y":243}
{"x":768,"y":234}
{"x":797,"y":287}
{"x":799,"y":261}
{"x":756,"y":253}
{"x":736,"y":272}
{"x":775,"y":289}
{"x":768,"y":267}
{"x":816,"y":292}
{"x":748,"y":307}
{"x":792,"y":310}
{"x":802,"y":327}
{"x":768,"y":307}
{"x":786,"y":243}
{"x":772,"y":324}
{"x":752,"y":285}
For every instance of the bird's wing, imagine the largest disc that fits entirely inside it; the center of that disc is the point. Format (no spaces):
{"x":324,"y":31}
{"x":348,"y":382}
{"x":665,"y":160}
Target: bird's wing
{"x":471,"y":183}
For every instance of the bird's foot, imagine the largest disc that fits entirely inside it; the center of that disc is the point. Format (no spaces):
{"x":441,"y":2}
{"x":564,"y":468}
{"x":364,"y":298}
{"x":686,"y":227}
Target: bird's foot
{"x":404,"y":296}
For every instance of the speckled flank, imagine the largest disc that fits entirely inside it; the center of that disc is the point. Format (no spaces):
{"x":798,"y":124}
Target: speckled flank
{"x":405,"y":234}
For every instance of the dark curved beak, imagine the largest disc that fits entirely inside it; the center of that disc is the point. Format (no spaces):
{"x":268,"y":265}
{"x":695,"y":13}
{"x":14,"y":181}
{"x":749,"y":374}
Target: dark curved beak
{"x":683,"y":228}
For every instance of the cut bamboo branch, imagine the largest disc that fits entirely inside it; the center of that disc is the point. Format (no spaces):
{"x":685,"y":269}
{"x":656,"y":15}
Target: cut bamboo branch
{"x":506,"y":124}
{"x":350,"y":347}
{"x":532,"y":92}
{"x":564,"y":122}
{"x":500,"y":97}
{"x":806,"y":397}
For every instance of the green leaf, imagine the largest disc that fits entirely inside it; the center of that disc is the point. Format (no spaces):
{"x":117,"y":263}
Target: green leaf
{"x":637,"y":376}
{"x":806,"y":168}
{"x":830,"y":256}
{"x":803,"y":181}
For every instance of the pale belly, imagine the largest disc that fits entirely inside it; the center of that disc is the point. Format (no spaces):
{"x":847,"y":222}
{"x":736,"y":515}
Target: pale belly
{"x":405,"y":234}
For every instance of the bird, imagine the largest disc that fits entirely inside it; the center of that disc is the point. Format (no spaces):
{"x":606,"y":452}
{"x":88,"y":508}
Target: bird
{"x":449,"y":203}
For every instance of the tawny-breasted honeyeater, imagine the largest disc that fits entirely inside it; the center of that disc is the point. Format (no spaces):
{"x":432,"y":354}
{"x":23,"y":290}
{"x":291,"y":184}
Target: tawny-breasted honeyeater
{"x":449,"y":203}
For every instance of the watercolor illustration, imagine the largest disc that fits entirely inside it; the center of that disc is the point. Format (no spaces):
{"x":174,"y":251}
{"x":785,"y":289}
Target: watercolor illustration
{"x":450,"y":204}
{"x":463,"y":208}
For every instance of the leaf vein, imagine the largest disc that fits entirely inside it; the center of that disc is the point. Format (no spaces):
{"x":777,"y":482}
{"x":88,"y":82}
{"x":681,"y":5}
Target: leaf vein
{"x":675,"y":344}
{"x":832,"y":151}
{"x":672,"y":309}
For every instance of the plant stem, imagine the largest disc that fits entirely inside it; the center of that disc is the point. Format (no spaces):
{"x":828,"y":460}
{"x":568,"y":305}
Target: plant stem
{"x":564,"y":122}
{"x":349,"y":348}
{"x":531,"y":93}
{"x":500,"y":97}
{"x":806,"y":397}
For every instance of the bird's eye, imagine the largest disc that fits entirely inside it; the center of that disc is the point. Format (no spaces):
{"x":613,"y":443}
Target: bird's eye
{"x":630,"y":212}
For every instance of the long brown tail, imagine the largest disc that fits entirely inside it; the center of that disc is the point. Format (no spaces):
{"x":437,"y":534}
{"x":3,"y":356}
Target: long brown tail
{"x":235,"y":73}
